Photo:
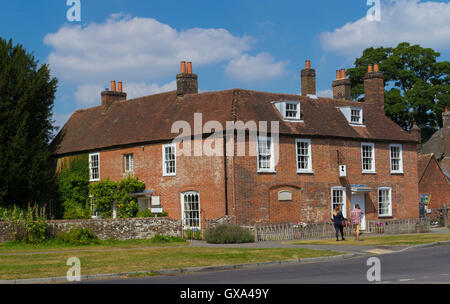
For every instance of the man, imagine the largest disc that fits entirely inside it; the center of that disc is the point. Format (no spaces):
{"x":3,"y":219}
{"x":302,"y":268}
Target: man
{"x":356,"y":216}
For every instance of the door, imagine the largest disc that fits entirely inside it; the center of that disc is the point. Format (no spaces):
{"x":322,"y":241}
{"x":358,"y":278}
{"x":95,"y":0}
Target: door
{"x":143,"y":204}
{"x":360,"y":199}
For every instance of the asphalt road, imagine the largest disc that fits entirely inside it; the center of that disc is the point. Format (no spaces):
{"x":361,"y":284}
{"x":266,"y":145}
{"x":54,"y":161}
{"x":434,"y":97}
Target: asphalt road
{"x":424,"y":265}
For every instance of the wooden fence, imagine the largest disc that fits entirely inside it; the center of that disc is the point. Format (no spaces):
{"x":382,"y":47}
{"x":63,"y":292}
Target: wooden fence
{"x":399,"y":226}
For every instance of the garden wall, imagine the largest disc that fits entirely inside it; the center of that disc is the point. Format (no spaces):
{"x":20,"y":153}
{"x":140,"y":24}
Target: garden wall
{"x":120,"y":229}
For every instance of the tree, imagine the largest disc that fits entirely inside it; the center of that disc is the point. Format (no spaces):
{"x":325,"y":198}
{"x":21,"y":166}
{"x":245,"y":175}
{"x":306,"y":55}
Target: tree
{"x":27,"y":93}
{"x":417,"y":86}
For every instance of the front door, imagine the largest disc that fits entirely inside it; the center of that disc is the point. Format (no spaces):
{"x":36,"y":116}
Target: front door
{"x":360,"y":199}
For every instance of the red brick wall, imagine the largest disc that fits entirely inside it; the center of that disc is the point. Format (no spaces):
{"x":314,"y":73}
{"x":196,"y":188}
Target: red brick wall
{"x":434,"y":183}
{"x":254,"y":199}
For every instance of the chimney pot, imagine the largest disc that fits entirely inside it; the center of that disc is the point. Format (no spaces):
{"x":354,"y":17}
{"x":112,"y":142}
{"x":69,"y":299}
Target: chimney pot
{"x":189,"y":67}
{"x":308,"y":64}
{"x":370,"y":69}
{"x":375,"y":68}
{"x":113,"y":85}
{"x":343,"y":76}
{"x":183,"y":67}
{"x":308,"y":80}
{"x":120,"y":86}
{"x":338,"y":74}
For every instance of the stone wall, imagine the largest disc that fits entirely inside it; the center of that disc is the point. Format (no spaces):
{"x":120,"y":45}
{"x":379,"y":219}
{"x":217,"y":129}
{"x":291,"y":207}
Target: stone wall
{"x":121,"y":229}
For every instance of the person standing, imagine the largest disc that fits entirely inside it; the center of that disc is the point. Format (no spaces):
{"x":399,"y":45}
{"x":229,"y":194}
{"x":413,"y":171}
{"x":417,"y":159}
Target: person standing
{"x":338,"y":219}
{"x":356,"y":217}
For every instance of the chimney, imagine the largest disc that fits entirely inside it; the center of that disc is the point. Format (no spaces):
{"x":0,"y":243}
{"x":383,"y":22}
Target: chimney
{"x":308,"y":80}
{"x":187,"y":82}
{"x":342,"y":87}
{"x":415,"y":130}
{"x":374,"y":86}
{"x":111,"y":96}
{"x":446,"y":131}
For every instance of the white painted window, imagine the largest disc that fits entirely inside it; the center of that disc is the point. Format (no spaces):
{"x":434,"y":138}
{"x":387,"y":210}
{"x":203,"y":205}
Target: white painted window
{"x":304,"y":157}
{"x":290,"y":110}
{"x":368,"y":157}
{"x":339,"y":198}
{"x":94,"y":167}
{"x":191,"y":210}
{"x":396,"y":158}
{"x":265,"y":154}
{"x":128,"y":163}
{"x":169,"y":160}
{"x":356,"y":116}
{"x":384,"y":202}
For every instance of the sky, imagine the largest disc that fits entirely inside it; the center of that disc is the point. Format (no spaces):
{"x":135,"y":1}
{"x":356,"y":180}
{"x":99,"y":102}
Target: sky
{"x":250,"y":44}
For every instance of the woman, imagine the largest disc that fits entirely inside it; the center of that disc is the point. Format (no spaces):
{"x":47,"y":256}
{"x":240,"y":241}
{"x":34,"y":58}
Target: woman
{"x":338,"y":219}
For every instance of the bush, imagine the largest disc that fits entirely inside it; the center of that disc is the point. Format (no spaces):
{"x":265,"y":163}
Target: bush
{"x":36,"y":228}
{"x":166,"y":239}
{"x":229,"y":234}
{"x":77,"y":237}
{"x":148,"y":213}
{"x":193,"y":235}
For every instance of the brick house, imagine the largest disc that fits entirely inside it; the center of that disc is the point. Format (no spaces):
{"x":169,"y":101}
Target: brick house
{"x":433,"y":182}
{"x":327,"y":151}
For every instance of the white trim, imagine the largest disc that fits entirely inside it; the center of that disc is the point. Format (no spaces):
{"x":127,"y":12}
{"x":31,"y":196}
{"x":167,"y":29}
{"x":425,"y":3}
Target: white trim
{"x":90,"y":167}
{"x":272,"y":155}
{"x":344,"y":198}
{"x":360,"y":122}
{"x":390,"y":202}
{"x":131,"y":164}
{"x":174,"y":146}
{"x":373,"y":170}
{"x":282,"y":108}
{"x":309,"y":169}
{"x":199,"y":209}
{"x":400,"y":171}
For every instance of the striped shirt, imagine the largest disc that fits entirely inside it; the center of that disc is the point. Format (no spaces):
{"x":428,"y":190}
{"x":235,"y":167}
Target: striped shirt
{"x":356,"y":216}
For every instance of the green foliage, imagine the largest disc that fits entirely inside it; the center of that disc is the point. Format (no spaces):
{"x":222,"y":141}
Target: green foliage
{"x":107,"y":192}
{"x":193,"y":235}
{"x":77,"y":237}
{"x":10,"y":214}
{"x":228,"y":234}
{"x":417,"y":85}
{"x":27,"y":93}
{"x":36,"y":228}
{"x":72,"y":187}
{"x":159,"y":238}
{"x":148,"y":213}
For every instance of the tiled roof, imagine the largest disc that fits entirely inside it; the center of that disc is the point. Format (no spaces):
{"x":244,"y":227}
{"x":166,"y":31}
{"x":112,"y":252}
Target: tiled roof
{"x":149,"y":119}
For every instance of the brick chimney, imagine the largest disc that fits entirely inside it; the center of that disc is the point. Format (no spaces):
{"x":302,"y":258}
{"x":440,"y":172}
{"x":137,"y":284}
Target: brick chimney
{"x":415,"y":130}
{"x":446,"y":131}
{"x":187,"y":82}
{"x":111,"y":96}
{"x":342,"y":86}
{"x":374,"y":86}
{"x":308,"y":77}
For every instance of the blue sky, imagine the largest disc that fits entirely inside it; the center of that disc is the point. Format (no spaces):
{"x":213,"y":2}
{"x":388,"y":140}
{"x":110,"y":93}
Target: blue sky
{"x":260,"y":45}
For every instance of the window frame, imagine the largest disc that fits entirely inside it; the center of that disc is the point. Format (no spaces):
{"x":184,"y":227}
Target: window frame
{"x":373,"y":169}
{"x":298,"y":114}
{"x":400,"y":170}
{"x":272,"y":155}
{"x":309,"y":169}
{"x":344,"y":199}
{"x":360,"y":121}
{"x":390,"y":202}
{"x":125,"y":156}
{"x":91,"y":179}
{"x":183,"y":219}
{"x":164,"y":160}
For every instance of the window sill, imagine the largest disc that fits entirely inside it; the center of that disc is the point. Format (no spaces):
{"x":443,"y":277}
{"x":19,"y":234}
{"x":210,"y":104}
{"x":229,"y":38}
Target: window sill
{"x":94,"y":180}
{"x":385,"y":216}
{"x":398,"y":173}
{"x":305,"y":172}
{"x":268,"y":172}
{"x":369,"y":172}
{"x":169,"y":175}
{"x":357,"y":125}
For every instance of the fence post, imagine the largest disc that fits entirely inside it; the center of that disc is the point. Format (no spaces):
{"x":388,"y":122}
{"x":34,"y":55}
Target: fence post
{"x":256,"y":232}
{"x":444,"y":216}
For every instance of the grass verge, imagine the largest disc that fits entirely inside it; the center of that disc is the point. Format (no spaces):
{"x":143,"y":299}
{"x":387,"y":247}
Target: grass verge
{"x":154,"y":259}
{"x":390,"y":240}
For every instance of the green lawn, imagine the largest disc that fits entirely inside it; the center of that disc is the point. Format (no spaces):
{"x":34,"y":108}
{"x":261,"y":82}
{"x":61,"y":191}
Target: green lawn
{"x":134,"y":260}
{"x":390,"y":240}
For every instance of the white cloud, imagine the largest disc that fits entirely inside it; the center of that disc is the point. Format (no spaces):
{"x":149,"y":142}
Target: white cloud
{"x":136,"y":48}
{"x":424,"y":23}
{"x":253,"y":68}
{"x":89,"y":95}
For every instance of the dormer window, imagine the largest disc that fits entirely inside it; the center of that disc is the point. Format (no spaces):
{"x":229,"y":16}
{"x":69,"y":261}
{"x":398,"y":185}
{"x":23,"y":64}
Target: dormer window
{"x":290,"y":110}
{"x":354,"y":115}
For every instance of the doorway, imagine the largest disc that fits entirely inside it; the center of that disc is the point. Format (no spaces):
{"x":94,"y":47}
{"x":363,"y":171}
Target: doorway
{"x":360,"y":199}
